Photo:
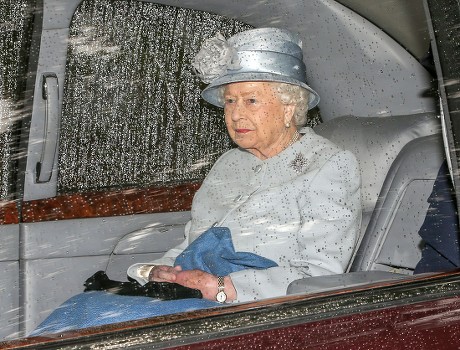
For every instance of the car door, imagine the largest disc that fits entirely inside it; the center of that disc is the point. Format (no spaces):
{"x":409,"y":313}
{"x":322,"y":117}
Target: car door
{"x":119,"y":140}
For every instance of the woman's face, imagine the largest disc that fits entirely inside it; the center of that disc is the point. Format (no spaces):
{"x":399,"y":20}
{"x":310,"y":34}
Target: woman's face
{"x":256,"y":119}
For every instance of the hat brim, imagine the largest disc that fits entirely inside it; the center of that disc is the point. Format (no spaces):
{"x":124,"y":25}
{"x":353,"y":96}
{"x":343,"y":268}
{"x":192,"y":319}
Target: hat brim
{"x":211,"y":92}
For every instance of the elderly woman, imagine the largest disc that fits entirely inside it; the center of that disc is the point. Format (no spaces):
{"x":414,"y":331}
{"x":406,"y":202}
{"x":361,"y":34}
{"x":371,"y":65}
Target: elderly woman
{"x":285,"y":193}
{"x":283,"y":205}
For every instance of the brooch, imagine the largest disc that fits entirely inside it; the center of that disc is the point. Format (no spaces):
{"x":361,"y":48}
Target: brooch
{"x":299,"y":163}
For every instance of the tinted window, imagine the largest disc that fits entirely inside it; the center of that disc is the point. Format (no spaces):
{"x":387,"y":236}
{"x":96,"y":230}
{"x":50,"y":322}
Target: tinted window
{"x":132,"y":110}
{"x":14,"y":42}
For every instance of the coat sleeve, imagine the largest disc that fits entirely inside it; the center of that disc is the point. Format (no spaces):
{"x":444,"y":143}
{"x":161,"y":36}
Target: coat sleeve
{"x":330,"y":211}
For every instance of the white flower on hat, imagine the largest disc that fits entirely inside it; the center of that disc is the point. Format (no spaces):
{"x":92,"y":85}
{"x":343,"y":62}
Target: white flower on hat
{"x":214,"y":58}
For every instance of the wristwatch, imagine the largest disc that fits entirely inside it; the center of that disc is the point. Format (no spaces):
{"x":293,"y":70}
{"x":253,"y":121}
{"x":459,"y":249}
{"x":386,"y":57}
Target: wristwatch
{"x":221,"y":296}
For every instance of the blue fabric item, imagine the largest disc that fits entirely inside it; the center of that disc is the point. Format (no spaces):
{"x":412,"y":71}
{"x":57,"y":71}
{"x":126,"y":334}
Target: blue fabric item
{"x":440,"y":230}
{"x":213,"y":252}
{"x":99,"y":308}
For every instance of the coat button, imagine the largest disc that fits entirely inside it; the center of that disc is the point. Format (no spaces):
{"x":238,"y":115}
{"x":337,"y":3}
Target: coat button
{"x":257,"y":169}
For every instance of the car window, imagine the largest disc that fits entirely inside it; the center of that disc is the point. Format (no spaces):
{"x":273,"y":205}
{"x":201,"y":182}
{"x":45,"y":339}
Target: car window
{"x":15,"y":39}
{"x":132,"y":112}
{"x":444,"y":29}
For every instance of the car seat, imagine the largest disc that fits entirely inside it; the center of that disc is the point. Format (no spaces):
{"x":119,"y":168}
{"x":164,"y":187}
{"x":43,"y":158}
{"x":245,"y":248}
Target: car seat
{"x":399,"y":159}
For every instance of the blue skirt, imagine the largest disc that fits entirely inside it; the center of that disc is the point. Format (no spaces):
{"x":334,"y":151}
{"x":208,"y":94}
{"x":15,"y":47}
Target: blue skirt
{"x":99,"y":308}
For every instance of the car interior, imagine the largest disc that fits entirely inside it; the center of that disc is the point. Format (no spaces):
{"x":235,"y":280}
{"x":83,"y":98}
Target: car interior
{"x":116,"y":75}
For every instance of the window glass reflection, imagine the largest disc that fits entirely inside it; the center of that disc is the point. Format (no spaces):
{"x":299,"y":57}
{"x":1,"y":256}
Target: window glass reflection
{"x":132,"y":111}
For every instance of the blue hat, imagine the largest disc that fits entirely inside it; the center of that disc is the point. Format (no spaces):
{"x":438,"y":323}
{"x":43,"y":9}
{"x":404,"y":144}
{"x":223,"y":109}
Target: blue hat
{"x":263,"y":54}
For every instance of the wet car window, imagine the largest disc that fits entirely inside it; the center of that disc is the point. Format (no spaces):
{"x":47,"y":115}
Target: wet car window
{"x":15,"y":39}
{"x":446,"y":31}
{"x":136,"y":139}
{"x":132,"y":111}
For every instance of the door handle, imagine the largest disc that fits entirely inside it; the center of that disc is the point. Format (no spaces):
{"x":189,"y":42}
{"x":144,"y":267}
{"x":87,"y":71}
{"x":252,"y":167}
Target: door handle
{"x":50,"y":94}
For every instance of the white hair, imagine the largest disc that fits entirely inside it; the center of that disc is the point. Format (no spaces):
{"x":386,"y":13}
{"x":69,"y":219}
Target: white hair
{"x":295,"y":95}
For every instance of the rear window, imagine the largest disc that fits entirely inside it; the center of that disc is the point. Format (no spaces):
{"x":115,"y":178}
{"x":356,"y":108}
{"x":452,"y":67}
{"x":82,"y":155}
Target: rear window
{"x":132,"y":112}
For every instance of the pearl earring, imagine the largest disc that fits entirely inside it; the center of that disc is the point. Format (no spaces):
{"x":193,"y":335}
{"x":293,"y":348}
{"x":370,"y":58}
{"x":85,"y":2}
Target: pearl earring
{"x":288,"y":124}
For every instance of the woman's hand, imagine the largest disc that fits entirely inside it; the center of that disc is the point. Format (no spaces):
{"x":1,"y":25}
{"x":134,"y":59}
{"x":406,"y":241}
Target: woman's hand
{"x":206,"y":283}
{"x":163,"y":273}
{"x":195,"y":279}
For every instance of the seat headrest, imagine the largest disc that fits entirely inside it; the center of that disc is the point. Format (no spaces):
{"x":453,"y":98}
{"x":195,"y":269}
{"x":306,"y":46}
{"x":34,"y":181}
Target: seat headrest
{"x":376,"y":141}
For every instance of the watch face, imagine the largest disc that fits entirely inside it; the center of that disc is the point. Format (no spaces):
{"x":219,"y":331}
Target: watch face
{"x":221,"y":297}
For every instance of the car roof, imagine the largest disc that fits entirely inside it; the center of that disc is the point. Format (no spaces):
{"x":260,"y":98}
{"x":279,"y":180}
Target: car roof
{"x":403,"y":20}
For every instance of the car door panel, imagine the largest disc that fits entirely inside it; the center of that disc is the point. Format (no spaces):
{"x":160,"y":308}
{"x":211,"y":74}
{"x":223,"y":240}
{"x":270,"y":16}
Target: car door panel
{"x":58,"y":256}
{"x":65,"y":239}
{"x":47,"y":283}
{"x":81,"y":237}
{"x":9,"y":242}
{"x":9,"y":283}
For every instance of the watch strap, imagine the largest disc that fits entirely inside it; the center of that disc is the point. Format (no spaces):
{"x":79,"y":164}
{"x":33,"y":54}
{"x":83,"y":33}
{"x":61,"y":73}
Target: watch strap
{"x":221,"y":297}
